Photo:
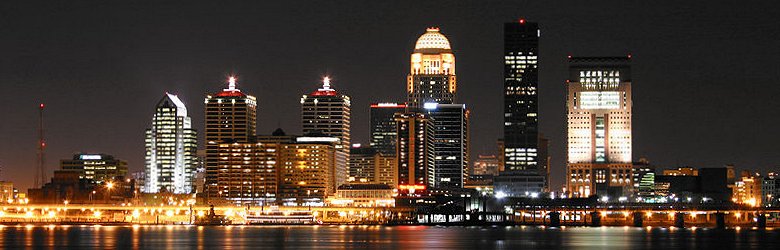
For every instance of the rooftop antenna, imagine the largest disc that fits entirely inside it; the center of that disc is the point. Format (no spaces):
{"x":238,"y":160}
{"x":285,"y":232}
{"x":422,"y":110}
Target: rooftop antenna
{"x":40,"y":173}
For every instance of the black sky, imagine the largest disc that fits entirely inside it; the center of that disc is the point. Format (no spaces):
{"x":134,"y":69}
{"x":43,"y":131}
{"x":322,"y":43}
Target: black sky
{"x":705,"y":73}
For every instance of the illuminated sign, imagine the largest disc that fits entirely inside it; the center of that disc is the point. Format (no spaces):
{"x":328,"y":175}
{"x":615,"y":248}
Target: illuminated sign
{"x":388,"y":105}
{"x":317,"y":139}
{"x":90,"y":157}
{"x":430,"y":105}
{"x":411,"y":187}
{"x":600,"y":100}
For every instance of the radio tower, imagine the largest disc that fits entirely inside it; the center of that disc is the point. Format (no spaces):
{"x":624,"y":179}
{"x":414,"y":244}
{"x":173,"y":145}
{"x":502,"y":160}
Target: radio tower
{"x":40,"y":173}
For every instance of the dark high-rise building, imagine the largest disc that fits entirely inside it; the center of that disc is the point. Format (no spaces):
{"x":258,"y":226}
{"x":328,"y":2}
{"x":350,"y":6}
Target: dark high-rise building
{"x":544,"y":160}
{"x":231,"y":117}
{"x":450,"y":142}
{"x":521,"y":101}
{"x":383,"y":134}
{"x":432,"y":71}
{"x":415,"y":150}
{"x":525,"y":165}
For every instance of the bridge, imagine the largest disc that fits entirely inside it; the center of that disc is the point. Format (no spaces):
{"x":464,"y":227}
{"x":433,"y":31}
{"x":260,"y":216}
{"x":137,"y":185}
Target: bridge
{"x":591,"y":212}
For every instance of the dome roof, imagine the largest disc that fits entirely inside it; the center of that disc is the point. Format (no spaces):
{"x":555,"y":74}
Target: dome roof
{"x":432,"y":39}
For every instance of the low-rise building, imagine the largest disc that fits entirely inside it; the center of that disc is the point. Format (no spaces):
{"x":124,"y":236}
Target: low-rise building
{"x":7,"y":192}
{"x":486,"y":165}
{"x":368,"y":165}
{"x":97,"y":167}
{"x":363,"y":195}
{"x":747,"y":191}
{"x":770,"y":190}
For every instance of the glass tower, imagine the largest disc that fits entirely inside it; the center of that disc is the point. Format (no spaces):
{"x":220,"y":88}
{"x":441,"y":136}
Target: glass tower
{"x":521,"y":101}
{"x":171,"y":149}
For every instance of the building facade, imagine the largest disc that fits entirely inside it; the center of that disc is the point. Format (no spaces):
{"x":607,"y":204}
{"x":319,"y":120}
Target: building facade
{"x":369,"y":166}
{"x":383,"y":134}
{"x":363,"y":195}
{"x":521,"y":100}
{"x":747,"y":191}
{"x":414,"y":150}
{"x":171,"y":149}
{"x":95,"y":167}
{"x":770,"y":190}
{"x":248,"y":173}
{"x":7,"y":192}
{"x":643,"y":179}
{"x":450,"y":142}
{"x":308,"y":173}
{"x":599,"y":105}
{"x":231,"y":117}
{"x":327,"y":112}
{"x":432,"y":71}
{"x":485,"y":165}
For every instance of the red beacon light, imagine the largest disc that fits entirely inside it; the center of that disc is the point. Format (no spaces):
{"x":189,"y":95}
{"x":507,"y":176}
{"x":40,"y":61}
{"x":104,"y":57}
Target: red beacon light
{"x":41,"y":105}
{"x":522,"y":21}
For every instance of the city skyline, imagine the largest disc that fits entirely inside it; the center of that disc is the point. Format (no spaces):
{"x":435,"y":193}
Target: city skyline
{"x":670,"y":96}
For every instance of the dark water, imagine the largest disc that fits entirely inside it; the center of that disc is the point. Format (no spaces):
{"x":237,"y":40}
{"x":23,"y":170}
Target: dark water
{"x":404,"y":237}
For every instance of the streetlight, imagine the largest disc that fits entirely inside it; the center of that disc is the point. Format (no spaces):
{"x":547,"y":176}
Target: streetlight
{"x":109,"y":186}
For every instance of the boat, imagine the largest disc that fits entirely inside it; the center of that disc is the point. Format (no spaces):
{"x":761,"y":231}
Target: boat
{"x":276,"y":217}
{"x":212,"y":219}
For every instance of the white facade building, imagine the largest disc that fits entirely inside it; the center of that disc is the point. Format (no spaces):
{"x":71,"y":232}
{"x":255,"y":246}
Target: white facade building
{"x":171,"y":149}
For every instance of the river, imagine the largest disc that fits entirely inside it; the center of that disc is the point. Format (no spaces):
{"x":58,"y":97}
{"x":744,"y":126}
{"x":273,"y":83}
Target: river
{"x":386,"y":237}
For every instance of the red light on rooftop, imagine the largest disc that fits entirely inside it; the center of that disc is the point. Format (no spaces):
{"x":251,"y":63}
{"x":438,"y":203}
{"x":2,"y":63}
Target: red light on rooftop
{"x":522,"y":21}
{"x":568,"y":56}
{"x":41,"y":105}
{"x":629,"y":55}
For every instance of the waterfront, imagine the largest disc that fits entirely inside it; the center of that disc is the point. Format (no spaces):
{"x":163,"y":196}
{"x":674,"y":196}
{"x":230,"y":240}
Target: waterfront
{"x":403,"y":237}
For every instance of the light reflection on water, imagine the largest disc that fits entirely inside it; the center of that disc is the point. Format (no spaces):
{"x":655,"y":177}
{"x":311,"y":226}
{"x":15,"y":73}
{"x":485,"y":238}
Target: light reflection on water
{"x":406,"y":237}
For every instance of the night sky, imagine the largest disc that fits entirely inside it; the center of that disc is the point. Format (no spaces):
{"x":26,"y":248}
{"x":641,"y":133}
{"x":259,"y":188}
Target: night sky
{"x":705,"y":74}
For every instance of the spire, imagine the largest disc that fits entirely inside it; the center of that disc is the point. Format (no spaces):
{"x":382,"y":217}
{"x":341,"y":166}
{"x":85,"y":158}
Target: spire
{"x":325,"y":84}
{"x":232,"y":83}
{"x":325,"y":90}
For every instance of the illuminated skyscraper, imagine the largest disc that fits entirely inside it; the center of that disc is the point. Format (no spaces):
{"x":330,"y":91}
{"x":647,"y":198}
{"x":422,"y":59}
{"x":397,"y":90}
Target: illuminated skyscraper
{"x":231,"y":117}
{"x":383,"y":134}
{"x":328,"y":112}
{"x":450,"y":143}
{"x":432,"y":71}
{"x":599,"y":126}
{"x":521,"y":79}
{"x":171,"y":149}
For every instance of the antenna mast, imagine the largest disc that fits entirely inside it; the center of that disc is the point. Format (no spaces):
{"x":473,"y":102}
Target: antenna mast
{"x":40,"y":173}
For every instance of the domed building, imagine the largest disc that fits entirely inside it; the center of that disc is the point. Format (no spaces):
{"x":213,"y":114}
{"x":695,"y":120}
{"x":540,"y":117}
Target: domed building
{"x":443,"y":147}
{"x":432,"y":70}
